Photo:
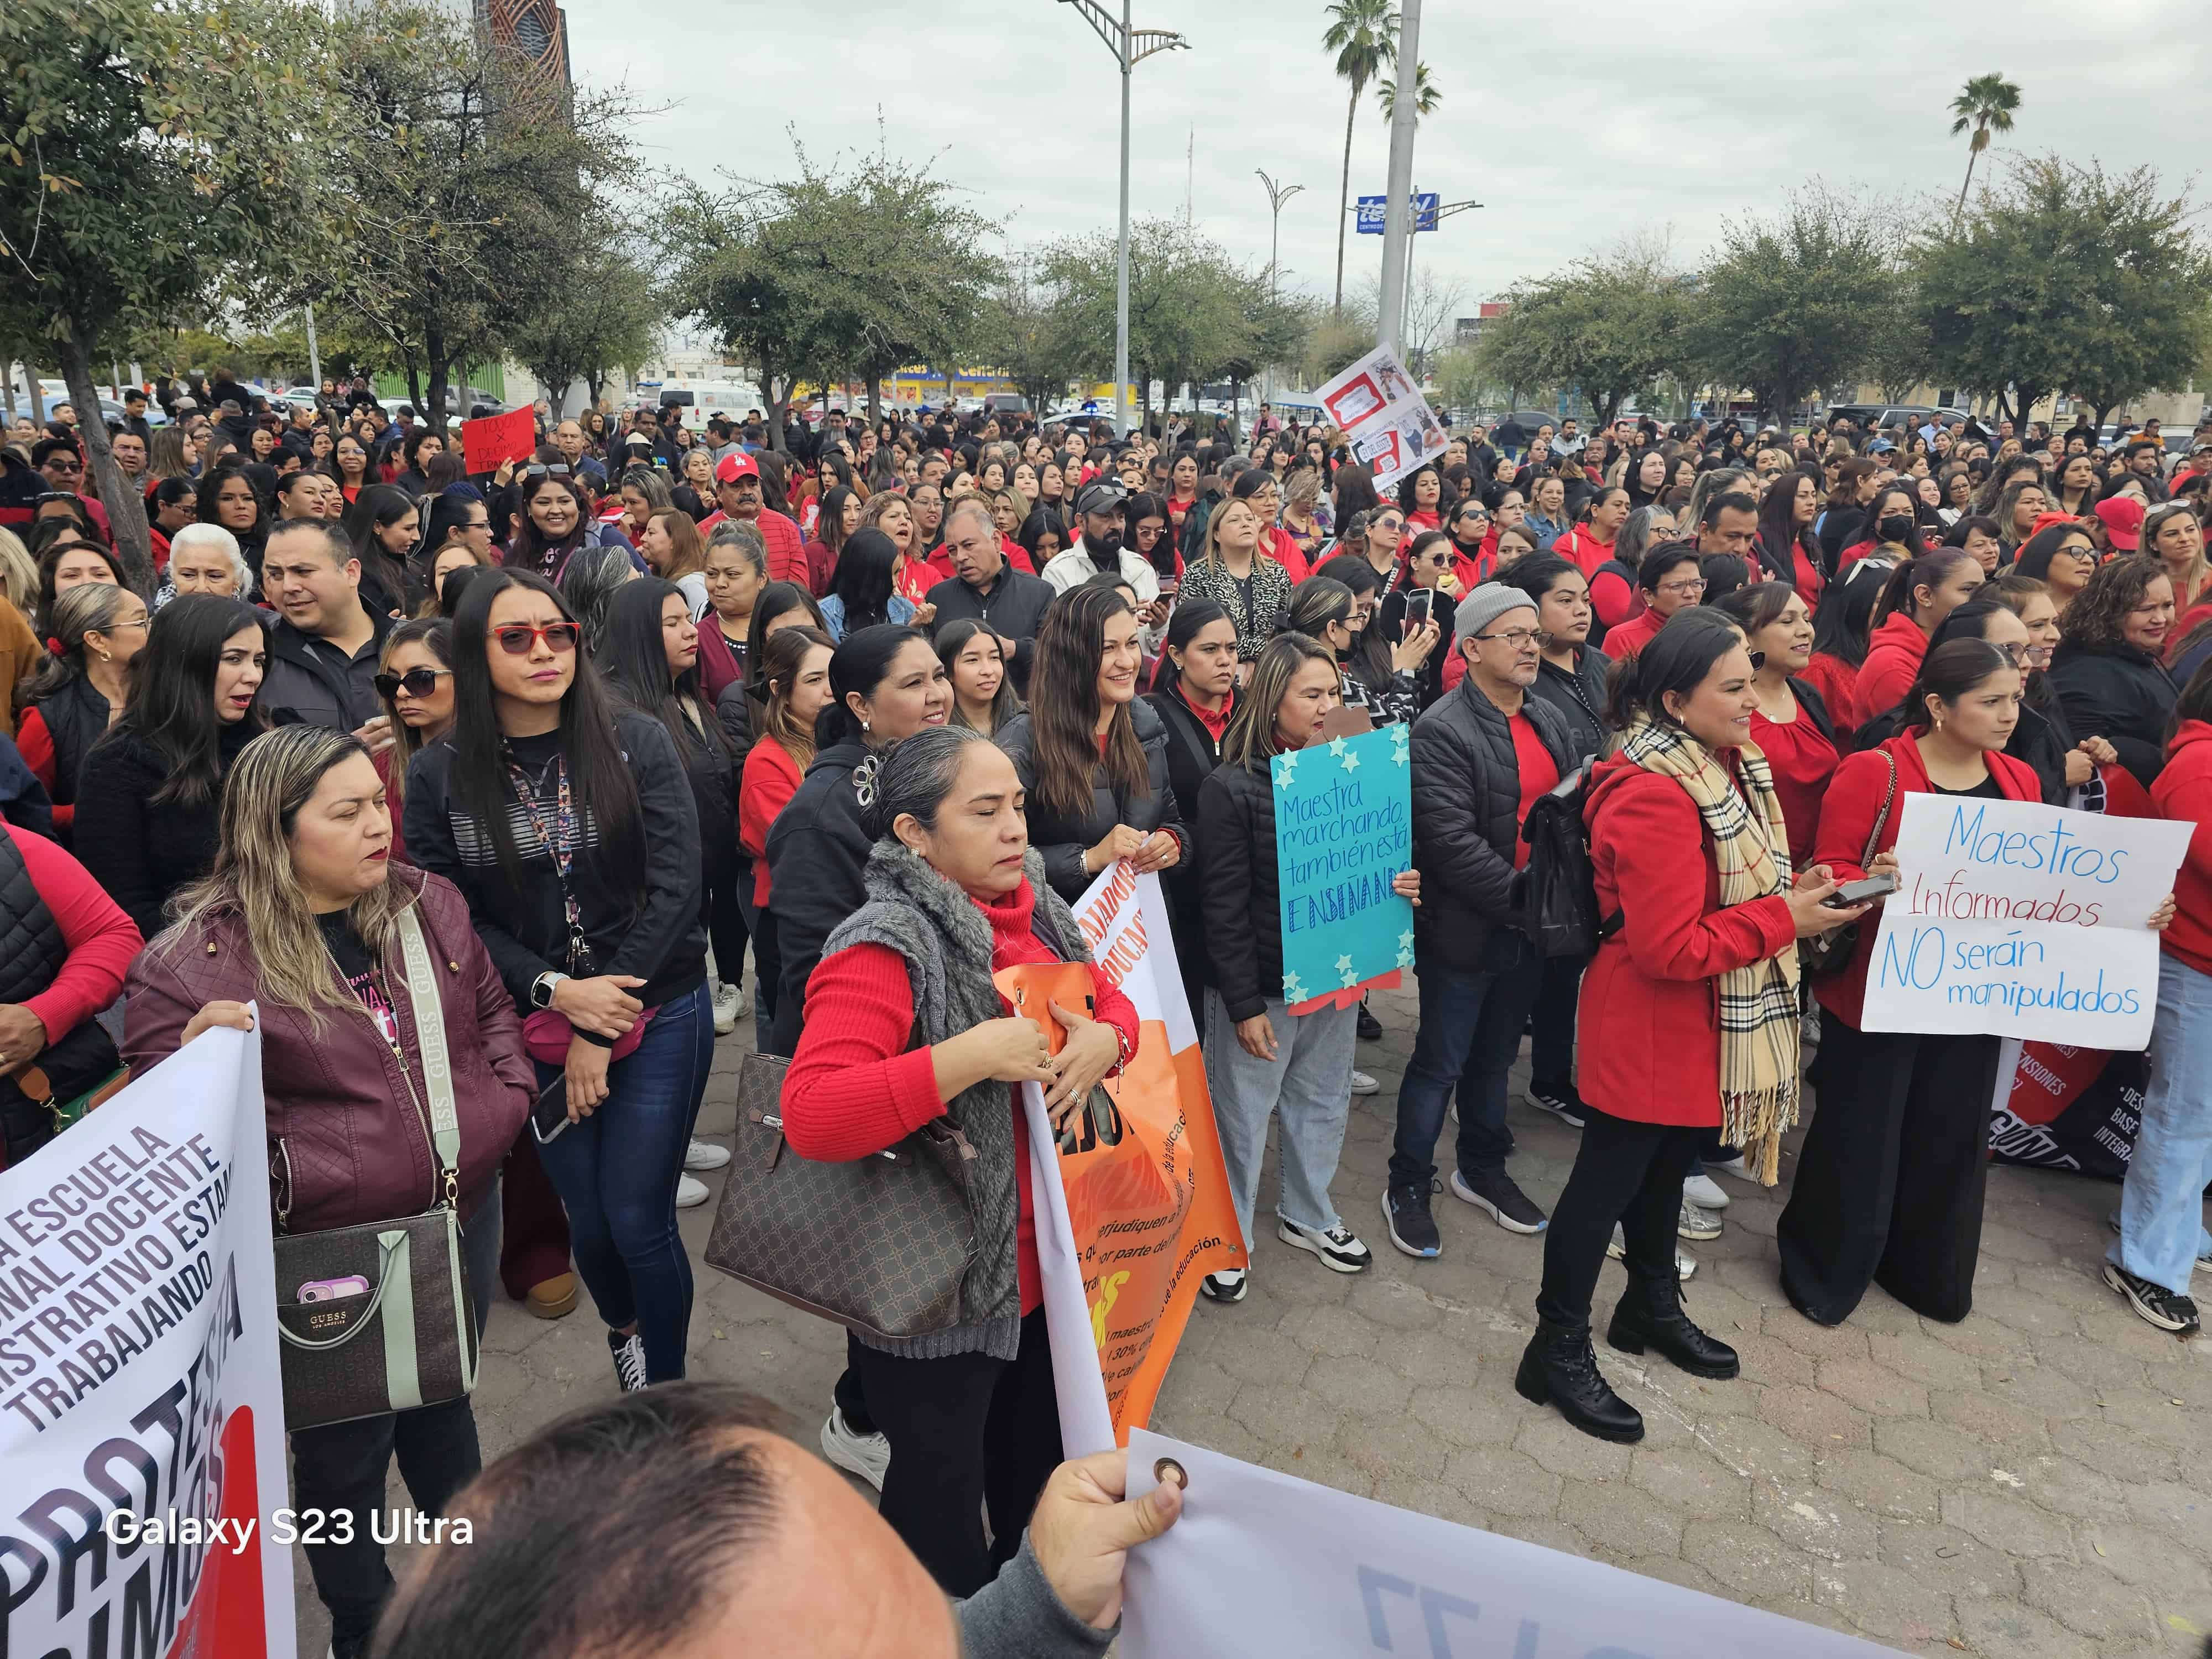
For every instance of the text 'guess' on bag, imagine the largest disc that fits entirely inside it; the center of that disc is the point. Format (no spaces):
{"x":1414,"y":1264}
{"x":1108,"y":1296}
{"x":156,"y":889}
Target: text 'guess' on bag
{"x":409,"y":1338}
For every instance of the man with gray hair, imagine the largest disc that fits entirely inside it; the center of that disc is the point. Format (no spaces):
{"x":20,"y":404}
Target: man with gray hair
{"x":985,"y":588}
{"x":323,"y":651}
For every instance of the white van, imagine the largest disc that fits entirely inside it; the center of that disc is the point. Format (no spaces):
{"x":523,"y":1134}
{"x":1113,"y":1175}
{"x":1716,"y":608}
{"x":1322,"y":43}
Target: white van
{"x":700,"y":398}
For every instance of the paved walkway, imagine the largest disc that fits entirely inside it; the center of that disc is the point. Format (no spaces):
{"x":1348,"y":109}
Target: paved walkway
{"x":2033,"y":1483}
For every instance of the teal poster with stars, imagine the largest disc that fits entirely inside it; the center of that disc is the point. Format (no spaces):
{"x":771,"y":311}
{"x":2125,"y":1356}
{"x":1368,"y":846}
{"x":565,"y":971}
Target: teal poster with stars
{"x":1344,"y":830}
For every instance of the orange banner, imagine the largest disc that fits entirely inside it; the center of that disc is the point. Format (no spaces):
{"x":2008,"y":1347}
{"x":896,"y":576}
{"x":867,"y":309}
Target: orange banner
{"x":1146,"y":1194}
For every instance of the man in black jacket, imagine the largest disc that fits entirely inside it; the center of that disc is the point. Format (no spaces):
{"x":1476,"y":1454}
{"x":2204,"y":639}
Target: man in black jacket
{"x":323,"y":651}
{"x":986,"y":588}
{"x":1481,"y":757}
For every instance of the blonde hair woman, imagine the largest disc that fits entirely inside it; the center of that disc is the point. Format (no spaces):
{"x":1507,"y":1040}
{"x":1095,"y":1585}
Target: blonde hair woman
{"x":1231,"y":571}
{"x":19,"y":573}
{"x":305,"y":914}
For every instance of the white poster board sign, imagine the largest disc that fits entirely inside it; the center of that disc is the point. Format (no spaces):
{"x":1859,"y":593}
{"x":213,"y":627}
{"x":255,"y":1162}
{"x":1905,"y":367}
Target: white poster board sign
{"x":1263,"y":1562}
{"x":1383,"y":416}
{"x":2021,"y":920}
{"x":142,"y":1421}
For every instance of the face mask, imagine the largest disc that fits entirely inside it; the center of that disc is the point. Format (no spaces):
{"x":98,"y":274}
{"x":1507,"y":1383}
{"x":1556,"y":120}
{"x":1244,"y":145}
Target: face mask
{"x":1895,"y":527}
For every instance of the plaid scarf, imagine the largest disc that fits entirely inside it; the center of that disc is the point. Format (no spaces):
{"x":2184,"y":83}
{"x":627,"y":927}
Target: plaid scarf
{"x":1758,"y":1002}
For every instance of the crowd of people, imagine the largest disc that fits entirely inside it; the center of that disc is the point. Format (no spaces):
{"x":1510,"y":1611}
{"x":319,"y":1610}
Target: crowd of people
{"x":876,"y":701}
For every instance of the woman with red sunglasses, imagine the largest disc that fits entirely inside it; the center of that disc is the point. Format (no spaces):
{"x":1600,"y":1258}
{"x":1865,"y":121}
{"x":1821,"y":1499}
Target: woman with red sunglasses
{"x":569,"y":826}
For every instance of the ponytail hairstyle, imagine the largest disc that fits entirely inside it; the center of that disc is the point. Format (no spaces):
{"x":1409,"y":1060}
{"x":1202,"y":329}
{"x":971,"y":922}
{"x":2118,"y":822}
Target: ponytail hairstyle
{"x":914,"y":777}
{"x":87,"y":607}
{"x":1675,"y":659}
{"x":1929,"y":570}
{"x":1185,"y":623}
{"x":1948,"y":673}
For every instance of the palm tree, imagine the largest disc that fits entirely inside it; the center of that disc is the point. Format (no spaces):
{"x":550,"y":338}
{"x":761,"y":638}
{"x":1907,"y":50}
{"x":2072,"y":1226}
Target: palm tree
{"x":1426,"y":96}
{"x":1364,"y":35}
{"x":1987,"y":103}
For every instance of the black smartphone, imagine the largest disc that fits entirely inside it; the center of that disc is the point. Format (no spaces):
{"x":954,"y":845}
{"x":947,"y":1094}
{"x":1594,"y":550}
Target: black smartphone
{"x":1418,"y":605}
{"x":549,"y":1118}
{"x":1859,"y":892}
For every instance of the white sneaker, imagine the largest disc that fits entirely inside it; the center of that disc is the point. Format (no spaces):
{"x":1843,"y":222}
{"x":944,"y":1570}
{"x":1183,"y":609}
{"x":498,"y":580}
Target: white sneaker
{"x":1701,"y":1190}
{"x":689,"y":1194}
{"x":1364,"y":1084}
{"x":868,"y":1455}
{"x":725,"y":1010}
{"x":1694,"y":1223}
{"x":1686,"y":1265}
{"x":1339,"y":1247}
{"x":1735,"y":1168}
{"x":1227,"y":1285}
{"x":704,"y":1155}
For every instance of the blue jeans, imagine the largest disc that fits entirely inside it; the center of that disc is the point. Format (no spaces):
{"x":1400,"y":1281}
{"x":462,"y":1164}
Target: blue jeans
{"x":1471,"y":1024}
{"x":2162,"y":1205}
{"x":617,"y":1171}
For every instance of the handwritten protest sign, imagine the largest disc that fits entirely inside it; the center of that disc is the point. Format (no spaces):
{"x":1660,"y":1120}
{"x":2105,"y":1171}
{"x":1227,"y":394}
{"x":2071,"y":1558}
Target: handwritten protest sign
{"x":1264,"y":1563}
{"x":1132,"y":1212}
{"x":1344,"y":817}
{"x":1382,"y":415}
{"x":490,"y":441}
{"x":2018,"y":920}
{"x":142,"y":1428}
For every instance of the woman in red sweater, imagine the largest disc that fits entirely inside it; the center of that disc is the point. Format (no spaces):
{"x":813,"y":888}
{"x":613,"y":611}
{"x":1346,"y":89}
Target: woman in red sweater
{"x":2161,"y":1207}
{"x":1590,"y":543}
{"x":925,"y":1044}
{"x":1669,"y":580}
{"x":1919,"y":594}
{"x":1890,"y":1178}
{"x":790,"y":686}
{"x":1656,"y":1072}
{"x":1791,"y":725}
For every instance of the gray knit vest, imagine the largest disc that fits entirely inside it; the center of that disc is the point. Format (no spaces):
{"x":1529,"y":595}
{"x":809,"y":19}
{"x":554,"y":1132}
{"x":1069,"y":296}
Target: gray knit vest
{"x":947,"y":944}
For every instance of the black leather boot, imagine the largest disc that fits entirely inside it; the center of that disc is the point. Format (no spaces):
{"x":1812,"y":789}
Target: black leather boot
{"x":1560,"y":1369}
{"x":1650,"y":1316}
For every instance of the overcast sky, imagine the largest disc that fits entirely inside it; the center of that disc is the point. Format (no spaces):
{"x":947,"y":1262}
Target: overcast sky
{"x":1572,"y":123}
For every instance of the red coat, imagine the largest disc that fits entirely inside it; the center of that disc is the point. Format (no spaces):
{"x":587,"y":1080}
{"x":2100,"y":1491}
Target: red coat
{"x":1650,"y":1045}
{"x":1632,"y":636}
{"x":1893,"y":663}
{"x":1847,"y":816}
{"x":2184,"y":791}
{"x":1583,"y":550}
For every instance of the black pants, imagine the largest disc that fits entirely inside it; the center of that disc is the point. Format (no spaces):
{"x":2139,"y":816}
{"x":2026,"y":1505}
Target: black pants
{"x":1631,"y":1173}
{"x":339,"y":1469}
{"x":968,"y":1434}
{"x":1891,"y":1178}
{"x":726,"y":919}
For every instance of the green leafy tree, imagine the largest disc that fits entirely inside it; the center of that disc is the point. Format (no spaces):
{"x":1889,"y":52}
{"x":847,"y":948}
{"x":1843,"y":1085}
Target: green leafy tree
{"x":603,"y":311}
{"x":1027,"y":332}
{"x":2066,"y":279}
{"x":1791,"y":305}
{"x":1608,"y":327}
{"x":1985,"y":105}
{"x":154,"y":155}
{"x":1364,"y":35}
{"x":461,"y":166}
{"x":836,"y":270}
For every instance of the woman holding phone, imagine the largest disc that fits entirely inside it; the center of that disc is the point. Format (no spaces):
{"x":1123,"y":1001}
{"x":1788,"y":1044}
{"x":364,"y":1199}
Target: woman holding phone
{"x":569,"y":826}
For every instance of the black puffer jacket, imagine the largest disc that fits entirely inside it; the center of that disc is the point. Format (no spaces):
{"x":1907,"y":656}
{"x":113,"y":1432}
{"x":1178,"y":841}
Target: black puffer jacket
{"x":1240,"y":897}
{"x":1467,"y":805}
{"x":1580,"y":696}
{"x":2123,"y":696}
{"x":1192,"y":755}
{"x":817,"y":857}
{"x":1063,"y":839}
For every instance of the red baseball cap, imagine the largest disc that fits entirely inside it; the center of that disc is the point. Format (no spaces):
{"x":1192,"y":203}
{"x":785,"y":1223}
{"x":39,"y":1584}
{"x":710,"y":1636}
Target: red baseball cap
{"x":2122,"y":518}
{"x":736,"y":465}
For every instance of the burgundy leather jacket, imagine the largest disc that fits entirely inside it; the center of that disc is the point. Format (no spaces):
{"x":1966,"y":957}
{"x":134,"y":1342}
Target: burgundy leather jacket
{"x":346,"y":1133}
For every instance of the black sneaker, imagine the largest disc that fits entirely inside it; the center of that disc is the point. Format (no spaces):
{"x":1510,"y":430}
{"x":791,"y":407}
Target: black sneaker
{"x":628,"y":1355}
{"x":2154,"y":1302}
{"x":1510,"y":1207}
{"x":1370,"y":1029}
{"x":1556,"y":1095}
{"x":1413,"y":1229}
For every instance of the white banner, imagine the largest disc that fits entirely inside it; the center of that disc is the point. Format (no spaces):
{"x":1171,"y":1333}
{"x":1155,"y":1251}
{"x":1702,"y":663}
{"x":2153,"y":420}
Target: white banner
{"x":1266,"y":1563}
{"x":1383,"y":416}
{"x":141,"y":1424}
{"x":2018,"y":919}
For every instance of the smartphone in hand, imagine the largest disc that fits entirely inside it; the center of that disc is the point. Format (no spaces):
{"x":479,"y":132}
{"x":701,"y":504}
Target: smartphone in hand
{"x":549,"y":1118}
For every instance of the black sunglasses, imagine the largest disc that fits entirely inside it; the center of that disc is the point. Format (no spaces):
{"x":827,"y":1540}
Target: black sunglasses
{"x":541,"y":469}
{"x":416,"y":682}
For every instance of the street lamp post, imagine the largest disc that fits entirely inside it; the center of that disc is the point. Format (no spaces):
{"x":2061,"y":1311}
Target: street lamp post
{"x":1130,"y":47}
{"x":1398,"y":219}
{"x":1277,"y":195}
